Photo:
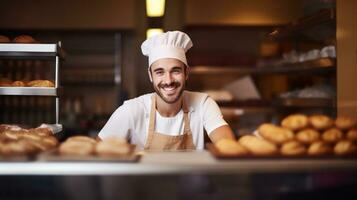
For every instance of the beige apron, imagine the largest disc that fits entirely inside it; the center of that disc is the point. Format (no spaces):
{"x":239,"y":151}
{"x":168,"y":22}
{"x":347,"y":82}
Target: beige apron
{"x":159,"y":141}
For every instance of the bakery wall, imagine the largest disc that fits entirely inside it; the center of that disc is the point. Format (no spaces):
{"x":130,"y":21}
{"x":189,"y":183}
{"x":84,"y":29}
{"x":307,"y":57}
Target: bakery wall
{"x":243,"y":12}
{"x":346,"y":57}
{"x":76,"y":14}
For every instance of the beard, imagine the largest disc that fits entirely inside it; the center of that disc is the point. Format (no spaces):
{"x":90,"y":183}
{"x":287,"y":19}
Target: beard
{"x":173,"y":84}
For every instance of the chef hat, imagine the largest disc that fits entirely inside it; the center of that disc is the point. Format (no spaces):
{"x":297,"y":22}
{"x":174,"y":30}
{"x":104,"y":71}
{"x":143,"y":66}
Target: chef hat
{"x":172,"y":44}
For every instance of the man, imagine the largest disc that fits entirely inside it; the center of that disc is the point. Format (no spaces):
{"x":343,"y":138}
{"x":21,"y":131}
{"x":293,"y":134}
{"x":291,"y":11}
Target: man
{"x":171,"y":118}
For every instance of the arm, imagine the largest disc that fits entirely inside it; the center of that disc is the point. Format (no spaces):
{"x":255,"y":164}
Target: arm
{"x":216,"y":127}
{"x":222,"y":132}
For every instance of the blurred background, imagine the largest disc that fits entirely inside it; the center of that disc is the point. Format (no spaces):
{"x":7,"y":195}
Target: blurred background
{"x":260,"y":60}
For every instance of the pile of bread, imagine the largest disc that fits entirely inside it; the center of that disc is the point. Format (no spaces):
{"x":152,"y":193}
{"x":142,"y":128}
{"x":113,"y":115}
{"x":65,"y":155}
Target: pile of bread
{"x":16,"y":141}
{"x":4,"y":82}
{"x":18,"y":39}
{"x":83,"y":146}
{"x":297,"y":135}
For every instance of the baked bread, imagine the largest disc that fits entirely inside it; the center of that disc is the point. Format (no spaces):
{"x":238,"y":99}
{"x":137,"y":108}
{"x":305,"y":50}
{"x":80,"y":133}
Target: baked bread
{"x":352,"y":135}
{"x":345,"y":147}
{"x":321,"y":122}
{"x":17,"y":148}
{"x":308,"y":136}
{"x":4,"y":39}
{"x":275,"y":134}
{"x":293,"y":148}
{"x":295,"y":122}
{"x":230,"y":147}
{"x":79,"y":148}
{"x":5,"y":82}
{"x":80,"y":138}
{"x":258,"y":146}
{"x":18,"y":84}
{"x":319,"y":148}
{"x":332,"y":135}
{"x":40,"y":83}
{"x":344,"y":122}
{"x":113,"y":147}
{"x":24,"y":39}
{"x":41,"y":132}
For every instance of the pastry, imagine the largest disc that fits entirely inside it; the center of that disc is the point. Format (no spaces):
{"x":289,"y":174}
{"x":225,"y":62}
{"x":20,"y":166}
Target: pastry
{"x":321,"y":122}
{"x":18,"y":84}
{"x":308,"y":136}
{"x":81,"y":138}
{"x":344,"y":147}
{"x":113,"y":147}
{"x":76,"y":148}
{"x":24,"y":39}
{"x":319,"y":148}
{"x":293,"y":148}
{"x":40,"y":83}
{"x":275,"y":134}
{"x":345,"y":123}
{"x":258,"y":146}
{"x":41,"y":131}
{"x":352,"y":135}
{"x":230,"y":147}
{"x":4,"y":39}
{"x":332,"y":135}
{"x":295,"y":122}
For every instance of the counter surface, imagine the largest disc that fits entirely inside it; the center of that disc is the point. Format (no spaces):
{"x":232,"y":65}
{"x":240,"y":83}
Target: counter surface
{"x":178,"y":163}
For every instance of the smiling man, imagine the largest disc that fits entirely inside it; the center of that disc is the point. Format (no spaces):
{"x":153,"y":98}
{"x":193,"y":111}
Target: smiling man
{"x":171,"y":118}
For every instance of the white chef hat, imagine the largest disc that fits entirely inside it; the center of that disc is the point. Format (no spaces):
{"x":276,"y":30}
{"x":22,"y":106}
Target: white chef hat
{"x":171,"y":44}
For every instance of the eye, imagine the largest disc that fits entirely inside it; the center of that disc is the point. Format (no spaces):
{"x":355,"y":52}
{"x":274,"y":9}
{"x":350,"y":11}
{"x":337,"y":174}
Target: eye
{"x":159,"y":73}
{"x":176,"y":71}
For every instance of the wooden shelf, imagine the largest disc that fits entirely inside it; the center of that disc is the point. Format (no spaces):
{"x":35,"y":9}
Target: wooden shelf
{"x":325,"y":16}
{"x":323,"y":65}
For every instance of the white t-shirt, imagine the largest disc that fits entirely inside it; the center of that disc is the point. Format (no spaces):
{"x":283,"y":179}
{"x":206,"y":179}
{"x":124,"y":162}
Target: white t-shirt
{"x":131,"y":120}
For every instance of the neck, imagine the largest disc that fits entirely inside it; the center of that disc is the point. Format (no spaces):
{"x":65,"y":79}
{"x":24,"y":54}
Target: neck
{"x":166,"y":109}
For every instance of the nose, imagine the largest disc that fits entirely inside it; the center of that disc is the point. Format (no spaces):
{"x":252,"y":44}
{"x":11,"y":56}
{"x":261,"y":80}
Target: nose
{"x":168,"y":78}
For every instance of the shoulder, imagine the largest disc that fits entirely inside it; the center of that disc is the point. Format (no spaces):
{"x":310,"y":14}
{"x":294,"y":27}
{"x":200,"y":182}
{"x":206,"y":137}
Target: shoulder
{"x":195,"y":99}
{"x":139,"y":104}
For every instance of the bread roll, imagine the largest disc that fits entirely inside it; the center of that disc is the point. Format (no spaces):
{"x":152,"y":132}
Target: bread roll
{"x":321,"y":122}
{"x":112,"y":147}
{"x":81,"y":138}
{"x":293,"y":148}
{"x":344,"y":122}
{"x":40,"y":83}
{"x":295,"y":122}
{"x":230,"y":147}
{"x":319,"y":148}
{"x":18,"y":84}
{"x":275,"y":134}
{"x":308,"y":136}
{"x":332,"y":135}
{"x":258,"y":146}
{"x":73,"y":147}
{"x":4,"y":39}
{"x":352,"y":135}
{"x":345,"y":147}
{"x":24,"y":39}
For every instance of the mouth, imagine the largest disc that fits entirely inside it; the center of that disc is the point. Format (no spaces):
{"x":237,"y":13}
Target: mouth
{"x":169,"y":90}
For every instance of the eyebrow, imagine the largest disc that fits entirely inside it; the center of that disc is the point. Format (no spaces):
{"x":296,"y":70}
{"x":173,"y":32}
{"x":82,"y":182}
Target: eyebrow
{"x":174,"y":68}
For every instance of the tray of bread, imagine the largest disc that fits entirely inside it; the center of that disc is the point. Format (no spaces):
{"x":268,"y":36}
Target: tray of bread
{"x":19,"y":144}
{"x":297,"y":136}
{"x":84,"y":148}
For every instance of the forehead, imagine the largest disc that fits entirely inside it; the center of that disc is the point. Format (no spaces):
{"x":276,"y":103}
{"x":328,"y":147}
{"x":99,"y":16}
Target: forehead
{"x":167,"y":63}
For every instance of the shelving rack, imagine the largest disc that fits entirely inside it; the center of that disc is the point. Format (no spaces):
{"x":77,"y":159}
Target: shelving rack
{"x":40,"y":52}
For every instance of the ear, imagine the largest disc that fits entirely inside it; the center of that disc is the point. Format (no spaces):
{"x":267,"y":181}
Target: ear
{"x":187,"y":72}
{"x":149,"y":72}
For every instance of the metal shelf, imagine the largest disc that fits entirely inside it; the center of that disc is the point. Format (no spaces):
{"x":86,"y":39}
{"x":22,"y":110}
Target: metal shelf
{"x":29,"y":91}
{"x":322,"y":65}
{"x":9,"y":50}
